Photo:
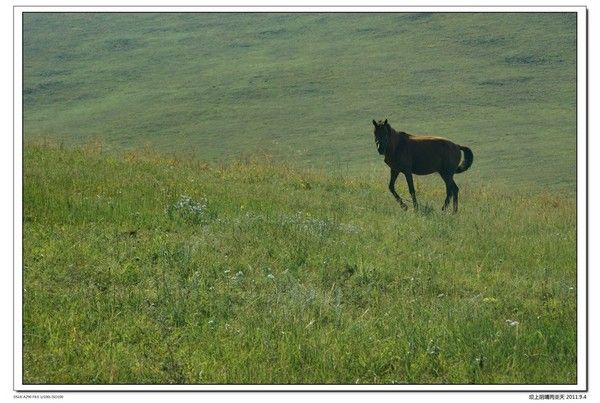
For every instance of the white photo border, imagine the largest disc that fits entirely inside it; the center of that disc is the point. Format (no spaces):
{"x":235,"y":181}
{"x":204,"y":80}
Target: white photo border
{"x":582,"y":205}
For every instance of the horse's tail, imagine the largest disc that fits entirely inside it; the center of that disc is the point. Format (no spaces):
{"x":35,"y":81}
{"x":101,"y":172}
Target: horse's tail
{"x":467,"y":161}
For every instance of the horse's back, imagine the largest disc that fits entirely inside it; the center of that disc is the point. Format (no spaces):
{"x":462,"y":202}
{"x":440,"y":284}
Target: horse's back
{"x":431,"y":140}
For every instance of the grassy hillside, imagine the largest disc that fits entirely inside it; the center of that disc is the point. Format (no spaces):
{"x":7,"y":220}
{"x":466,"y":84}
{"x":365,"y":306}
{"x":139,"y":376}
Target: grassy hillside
{"x":305,"y":87}
{"x":142,"y":269}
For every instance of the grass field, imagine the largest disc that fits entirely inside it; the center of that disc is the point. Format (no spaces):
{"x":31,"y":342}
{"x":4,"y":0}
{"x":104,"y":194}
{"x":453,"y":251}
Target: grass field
{"x":305,"y":87}
{"x":203,"y":201}
{"x":266,"y":274}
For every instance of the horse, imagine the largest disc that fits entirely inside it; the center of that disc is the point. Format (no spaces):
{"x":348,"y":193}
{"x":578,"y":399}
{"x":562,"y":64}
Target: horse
{"x":421,"y":155}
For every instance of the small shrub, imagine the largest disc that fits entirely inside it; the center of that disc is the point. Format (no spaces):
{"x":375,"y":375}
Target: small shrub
{"x":190,"y":211}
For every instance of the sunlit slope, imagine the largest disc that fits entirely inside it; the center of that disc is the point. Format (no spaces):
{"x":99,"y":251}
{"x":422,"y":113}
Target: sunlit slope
{"x":140,"y":269}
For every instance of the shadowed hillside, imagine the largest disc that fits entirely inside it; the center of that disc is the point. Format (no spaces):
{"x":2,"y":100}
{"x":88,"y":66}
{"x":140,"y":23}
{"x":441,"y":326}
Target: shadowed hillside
{"x":305,"y":87}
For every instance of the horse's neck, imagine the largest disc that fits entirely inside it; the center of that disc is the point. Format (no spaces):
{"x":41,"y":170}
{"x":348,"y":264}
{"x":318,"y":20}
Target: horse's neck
{"x":400,"y":135}
{"x":397,"y":139}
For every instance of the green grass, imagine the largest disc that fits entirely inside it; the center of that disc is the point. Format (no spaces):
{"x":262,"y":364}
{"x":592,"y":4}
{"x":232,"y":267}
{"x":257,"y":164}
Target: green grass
{"x":270,"y":273}
{"x":305,"y":87}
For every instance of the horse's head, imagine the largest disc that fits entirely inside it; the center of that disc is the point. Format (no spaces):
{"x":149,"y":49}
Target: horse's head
{"x":382,"y":135}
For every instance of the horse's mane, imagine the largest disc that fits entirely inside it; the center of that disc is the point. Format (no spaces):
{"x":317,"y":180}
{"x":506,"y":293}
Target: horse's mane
{"x":398,"y":133}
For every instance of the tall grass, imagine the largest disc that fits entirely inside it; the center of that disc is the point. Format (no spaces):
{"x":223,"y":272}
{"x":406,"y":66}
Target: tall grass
{"x":150,"y":269}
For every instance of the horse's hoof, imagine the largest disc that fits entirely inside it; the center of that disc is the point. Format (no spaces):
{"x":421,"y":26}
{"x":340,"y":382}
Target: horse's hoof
{"x":404,"y":207}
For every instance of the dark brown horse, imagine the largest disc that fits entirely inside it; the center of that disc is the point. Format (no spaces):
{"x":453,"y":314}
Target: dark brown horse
{"x":420,"y":155}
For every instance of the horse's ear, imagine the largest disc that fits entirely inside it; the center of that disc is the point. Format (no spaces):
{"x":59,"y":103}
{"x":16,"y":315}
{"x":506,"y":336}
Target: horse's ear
{"x":385,"y":123}
{"x":374,"y":122}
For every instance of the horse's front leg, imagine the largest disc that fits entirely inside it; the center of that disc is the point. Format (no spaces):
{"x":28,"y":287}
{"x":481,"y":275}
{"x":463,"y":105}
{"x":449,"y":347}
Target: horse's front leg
{"x":411,"y":189}
{"x":393,"y":176}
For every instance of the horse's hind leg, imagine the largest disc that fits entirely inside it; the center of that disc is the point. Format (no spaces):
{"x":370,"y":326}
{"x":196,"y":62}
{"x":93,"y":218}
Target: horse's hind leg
{"x":455,"y":195}
{"x":447,"y":180}
{"x":451,"y":191}
{"x":393,"y":176}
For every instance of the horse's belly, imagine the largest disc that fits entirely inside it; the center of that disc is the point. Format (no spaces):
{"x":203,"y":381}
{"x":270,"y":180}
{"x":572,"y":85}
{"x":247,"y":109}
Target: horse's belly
{"x":423,"y":171}
{"x":425,"y":167}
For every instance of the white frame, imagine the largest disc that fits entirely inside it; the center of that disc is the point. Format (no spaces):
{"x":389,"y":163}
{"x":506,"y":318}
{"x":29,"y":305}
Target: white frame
{"x":582,"y":308}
